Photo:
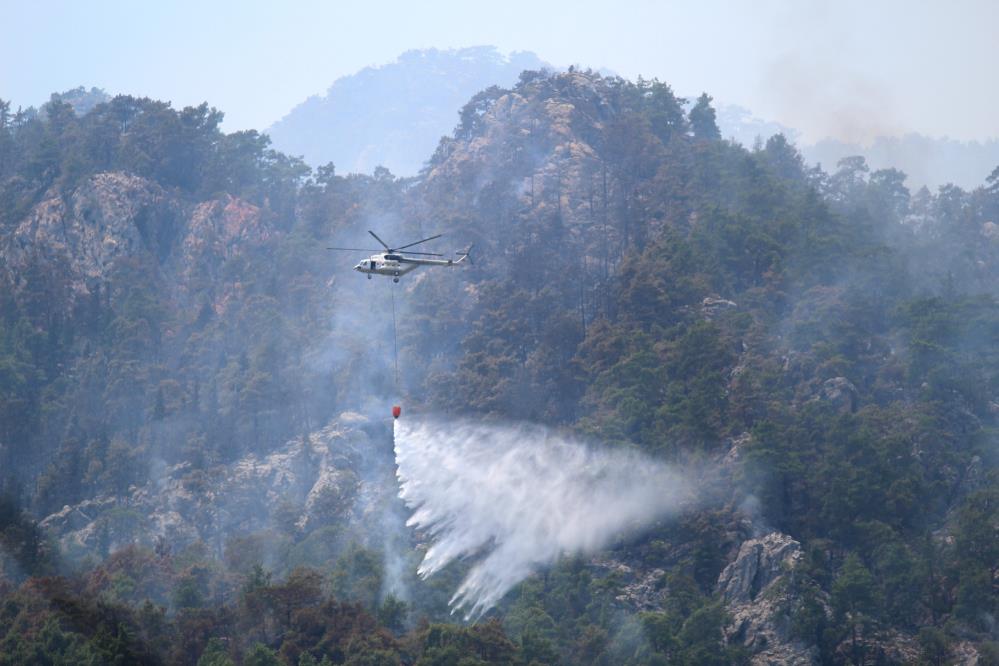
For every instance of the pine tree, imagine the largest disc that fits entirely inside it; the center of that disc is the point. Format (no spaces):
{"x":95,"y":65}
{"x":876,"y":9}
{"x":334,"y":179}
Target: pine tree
{"x":702,"y":119}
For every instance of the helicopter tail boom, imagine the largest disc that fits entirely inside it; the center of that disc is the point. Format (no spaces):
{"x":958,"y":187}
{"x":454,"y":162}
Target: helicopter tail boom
{"x":465,"y":254}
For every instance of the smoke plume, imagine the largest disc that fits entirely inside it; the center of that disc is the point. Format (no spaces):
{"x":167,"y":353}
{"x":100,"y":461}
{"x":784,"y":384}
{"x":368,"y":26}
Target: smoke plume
{"x":518,"y":497}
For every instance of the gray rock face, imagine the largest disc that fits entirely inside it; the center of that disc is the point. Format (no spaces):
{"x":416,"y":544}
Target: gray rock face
{"x":841,"y":393}
{"x":320,"y":481}
{"x":756,"y":591}
{"x":759,"y":564}
{"x":641,"y":589}
{"x":115,"y":216}
{"x":712,"y":306}
{"x":216,"y":231}
{"x":110,"y":215}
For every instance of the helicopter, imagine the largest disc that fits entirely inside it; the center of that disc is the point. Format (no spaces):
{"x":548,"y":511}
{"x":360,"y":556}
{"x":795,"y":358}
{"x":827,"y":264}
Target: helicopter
{"x":394,"y":262}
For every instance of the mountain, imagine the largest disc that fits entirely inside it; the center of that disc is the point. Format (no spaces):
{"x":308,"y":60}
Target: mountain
{"x":195,"y":456}
{"x":394,"y":115}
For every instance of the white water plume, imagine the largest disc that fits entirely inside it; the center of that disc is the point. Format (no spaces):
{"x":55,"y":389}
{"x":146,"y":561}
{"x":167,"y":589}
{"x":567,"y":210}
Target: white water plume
{"x":519,"y":497}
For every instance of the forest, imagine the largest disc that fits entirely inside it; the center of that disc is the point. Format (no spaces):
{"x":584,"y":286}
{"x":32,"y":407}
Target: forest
{"x":824,"y":337}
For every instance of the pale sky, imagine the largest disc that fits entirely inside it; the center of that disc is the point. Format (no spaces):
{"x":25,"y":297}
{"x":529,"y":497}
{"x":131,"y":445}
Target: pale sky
{"x":850,"y":69}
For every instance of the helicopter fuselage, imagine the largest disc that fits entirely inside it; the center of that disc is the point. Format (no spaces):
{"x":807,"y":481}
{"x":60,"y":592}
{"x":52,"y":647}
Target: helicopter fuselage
{"x":396,"y":262}
{"x":395,"y":265}
{"x":390,"y":265}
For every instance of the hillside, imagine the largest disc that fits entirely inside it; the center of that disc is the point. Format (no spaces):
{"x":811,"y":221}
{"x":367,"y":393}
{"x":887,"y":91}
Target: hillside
{"x":394,"y":115}
{"x":192,"y":389}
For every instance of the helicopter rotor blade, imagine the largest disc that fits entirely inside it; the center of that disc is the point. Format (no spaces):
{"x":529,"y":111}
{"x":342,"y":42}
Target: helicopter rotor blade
{"x":379,"y":240}
{"x":418,"y":242}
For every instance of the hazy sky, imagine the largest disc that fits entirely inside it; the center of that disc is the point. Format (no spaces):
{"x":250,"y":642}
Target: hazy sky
{"x":848,"y":69}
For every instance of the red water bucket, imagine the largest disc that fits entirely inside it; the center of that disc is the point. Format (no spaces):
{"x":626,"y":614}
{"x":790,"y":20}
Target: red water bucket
{"x":396,"y":411}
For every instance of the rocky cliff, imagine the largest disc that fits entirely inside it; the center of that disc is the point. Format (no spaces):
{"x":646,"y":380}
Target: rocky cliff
{"x":337,"y":475}
{"x":110,"y":216}
{"x":117,"y":216}
{"x":758,"y":590}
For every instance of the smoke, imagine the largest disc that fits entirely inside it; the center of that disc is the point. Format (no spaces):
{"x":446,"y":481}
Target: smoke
{"x":824,"y":99}
{"x":518,"y":497}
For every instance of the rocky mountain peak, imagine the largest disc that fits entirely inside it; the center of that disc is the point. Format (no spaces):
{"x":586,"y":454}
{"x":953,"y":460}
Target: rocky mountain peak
{"x":393,"y":115}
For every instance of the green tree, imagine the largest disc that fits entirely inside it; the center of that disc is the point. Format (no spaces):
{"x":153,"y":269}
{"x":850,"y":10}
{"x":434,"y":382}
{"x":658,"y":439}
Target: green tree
{"x":261,"y":655}
{"x":702,"y":119}
{"x":855,"y":603}
{"x":215,"y":654}
{"x":934,"y":645}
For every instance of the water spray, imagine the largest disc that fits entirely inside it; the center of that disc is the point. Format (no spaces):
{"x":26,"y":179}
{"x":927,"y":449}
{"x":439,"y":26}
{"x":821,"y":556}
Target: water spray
{"x":516,"y":498}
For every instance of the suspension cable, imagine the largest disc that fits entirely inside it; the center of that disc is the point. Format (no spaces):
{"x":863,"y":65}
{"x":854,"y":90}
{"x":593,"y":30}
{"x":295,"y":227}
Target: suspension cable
{"x":395,"y":342}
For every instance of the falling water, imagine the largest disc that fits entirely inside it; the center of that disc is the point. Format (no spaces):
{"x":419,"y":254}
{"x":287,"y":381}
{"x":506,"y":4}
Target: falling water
{"x":517,"y":497}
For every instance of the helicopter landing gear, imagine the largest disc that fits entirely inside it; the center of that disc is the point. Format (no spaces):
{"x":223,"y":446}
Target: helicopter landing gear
{"x":395,"y":279}
{"x":369,"y":276}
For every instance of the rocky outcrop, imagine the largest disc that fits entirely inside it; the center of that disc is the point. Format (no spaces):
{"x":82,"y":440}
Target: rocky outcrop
{"x":840,"y":393}
{"x":641,"y":589}
{"x":110,"y":215}
{"x":216,"y":232}
{"x":321,"y":479}
{"x":735,"y":452}
{"x":759,"y":564}
{"x":713,"y":306}
{"x":114,"y":216}
{"x":758,"y":594}
{"x":539,"y":145}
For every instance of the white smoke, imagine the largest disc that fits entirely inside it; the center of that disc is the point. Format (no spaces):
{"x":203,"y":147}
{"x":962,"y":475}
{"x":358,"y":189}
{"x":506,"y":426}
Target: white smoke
{"x":519,"y":497}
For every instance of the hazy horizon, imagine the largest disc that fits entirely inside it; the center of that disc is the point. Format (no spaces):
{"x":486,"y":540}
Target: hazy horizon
{"x":852,"y":73}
